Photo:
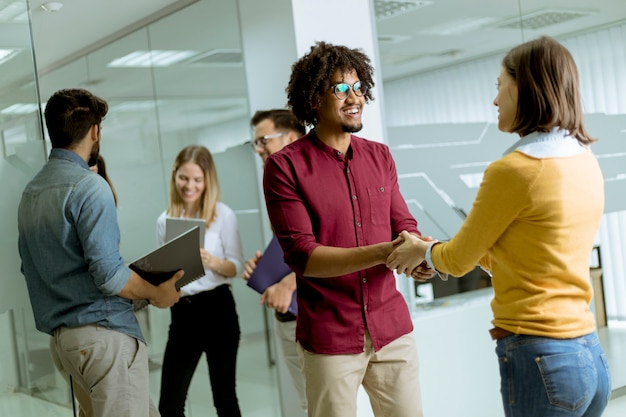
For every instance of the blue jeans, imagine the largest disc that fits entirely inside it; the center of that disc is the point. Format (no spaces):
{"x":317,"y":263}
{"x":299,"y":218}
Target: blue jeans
{"x":547,"y":377}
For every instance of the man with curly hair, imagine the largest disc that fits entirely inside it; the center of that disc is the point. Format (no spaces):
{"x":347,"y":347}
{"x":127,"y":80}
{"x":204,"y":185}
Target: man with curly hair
{"x":334,"y":202}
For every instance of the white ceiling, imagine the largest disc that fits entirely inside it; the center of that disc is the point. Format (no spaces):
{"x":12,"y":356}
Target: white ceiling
{"x":74,"y":45}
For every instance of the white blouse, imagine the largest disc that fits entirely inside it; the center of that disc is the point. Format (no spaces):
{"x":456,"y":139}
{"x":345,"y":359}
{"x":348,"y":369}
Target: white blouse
{"x":221,"y":239}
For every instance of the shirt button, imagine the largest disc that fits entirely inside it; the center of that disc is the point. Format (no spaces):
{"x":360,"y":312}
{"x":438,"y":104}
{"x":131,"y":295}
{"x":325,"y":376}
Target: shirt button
{"x":358,"y":225}
{"x":364,"y":280}
{"x":348,"y":170}
{"x":382,"y":189}
{"x":365,"y":307}
{"x":354,"y":197}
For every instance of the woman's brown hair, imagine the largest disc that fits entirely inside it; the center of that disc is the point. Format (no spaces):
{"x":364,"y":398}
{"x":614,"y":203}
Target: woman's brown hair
{"x":548,"y":89}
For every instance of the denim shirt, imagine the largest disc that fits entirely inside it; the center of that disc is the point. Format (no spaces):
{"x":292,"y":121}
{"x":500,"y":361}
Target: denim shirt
{"x":69,"y":246}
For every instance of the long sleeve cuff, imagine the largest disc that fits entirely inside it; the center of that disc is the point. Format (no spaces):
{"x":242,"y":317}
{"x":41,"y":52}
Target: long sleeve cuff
{"x":429,"y":260}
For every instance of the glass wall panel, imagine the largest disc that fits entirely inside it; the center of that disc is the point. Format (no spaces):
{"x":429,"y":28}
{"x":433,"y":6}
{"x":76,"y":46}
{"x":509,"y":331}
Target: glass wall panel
{"x":25,"y":368}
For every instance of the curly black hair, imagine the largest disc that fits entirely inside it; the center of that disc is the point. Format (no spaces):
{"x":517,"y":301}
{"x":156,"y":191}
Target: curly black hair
{"x":311,"y":77}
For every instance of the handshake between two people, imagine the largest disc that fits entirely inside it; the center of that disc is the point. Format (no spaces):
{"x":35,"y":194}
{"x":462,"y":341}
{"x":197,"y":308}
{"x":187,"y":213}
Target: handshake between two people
{"x":409,"y":256}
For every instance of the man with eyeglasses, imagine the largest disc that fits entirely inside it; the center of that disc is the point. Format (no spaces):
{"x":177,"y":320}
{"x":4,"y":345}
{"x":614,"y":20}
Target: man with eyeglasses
{"x":334,"y":202}
{"x":273,"y":130}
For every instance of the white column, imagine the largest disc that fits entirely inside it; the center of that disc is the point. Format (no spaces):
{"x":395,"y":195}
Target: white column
{"x":275,"y":33}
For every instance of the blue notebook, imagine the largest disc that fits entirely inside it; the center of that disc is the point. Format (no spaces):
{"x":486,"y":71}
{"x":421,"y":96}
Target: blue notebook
{"x":270,"y":269}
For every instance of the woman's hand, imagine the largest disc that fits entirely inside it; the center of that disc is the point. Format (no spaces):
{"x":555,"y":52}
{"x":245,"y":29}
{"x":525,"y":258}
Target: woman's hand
{"x":211,"y":262}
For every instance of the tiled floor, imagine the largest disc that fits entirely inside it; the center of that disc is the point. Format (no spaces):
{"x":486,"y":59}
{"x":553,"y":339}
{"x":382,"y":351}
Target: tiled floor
{"x":257,"y":385}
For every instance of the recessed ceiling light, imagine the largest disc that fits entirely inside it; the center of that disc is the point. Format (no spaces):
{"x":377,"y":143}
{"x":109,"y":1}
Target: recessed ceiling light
{"x":13,"y":11}
{"x":52,"y":6}
{"x":218,"y":57}
{"x":388,"y":8}
{"x":20,"y":108}
{"x":393,"y":38}
{"x":142,"y":59}
{"x":457,"y":26}
{"x":139,"y":105}
{"x":542,"y":18}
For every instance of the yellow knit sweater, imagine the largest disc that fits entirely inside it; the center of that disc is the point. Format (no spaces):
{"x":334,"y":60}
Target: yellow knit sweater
{"x":533,"y":224}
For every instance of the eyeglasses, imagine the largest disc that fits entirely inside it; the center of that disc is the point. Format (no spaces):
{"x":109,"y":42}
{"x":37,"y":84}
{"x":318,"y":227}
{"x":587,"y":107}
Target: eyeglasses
{"x":262,"y":141}
{"x":342,"y":90}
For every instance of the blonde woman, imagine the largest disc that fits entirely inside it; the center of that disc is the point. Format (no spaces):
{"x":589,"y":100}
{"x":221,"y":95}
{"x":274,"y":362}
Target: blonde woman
{"x":205,"y":320}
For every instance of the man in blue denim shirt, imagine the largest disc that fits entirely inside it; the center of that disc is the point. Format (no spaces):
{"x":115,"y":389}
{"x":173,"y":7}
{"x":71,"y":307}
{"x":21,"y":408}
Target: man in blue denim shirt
{"x":80,"y":289}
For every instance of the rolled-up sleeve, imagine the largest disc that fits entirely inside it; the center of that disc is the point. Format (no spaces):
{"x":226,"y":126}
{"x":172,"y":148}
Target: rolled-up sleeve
{"x":97,"y":227}
{"x":288,"y":214}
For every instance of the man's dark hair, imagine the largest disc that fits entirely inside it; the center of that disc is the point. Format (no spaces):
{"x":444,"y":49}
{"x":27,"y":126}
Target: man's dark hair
{"x":69,"y":115}
{"x":311,"y":77}
{"x":282,"y":119}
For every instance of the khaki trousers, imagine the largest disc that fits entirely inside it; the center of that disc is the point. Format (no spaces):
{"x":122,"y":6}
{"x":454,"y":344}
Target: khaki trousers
{"x":287,"y":336}
{"x":390,"y":378}
{"x":84,"y":403}
{"x":110,"y":367}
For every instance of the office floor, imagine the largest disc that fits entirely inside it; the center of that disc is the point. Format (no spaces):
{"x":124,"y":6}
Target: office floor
{"x":257,"y":384}
{"x":258,"y":392}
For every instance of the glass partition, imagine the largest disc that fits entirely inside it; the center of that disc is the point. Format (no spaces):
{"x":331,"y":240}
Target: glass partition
{"x":24,"y":367}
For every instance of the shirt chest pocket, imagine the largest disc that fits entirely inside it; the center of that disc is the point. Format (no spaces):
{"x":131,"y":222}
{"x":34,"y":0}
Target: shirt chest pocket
{"x":380,"y":204}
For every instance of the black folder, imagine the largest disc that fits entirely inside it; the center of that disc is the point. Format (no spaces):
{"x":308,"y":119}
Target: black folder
{"x":182,"y":252}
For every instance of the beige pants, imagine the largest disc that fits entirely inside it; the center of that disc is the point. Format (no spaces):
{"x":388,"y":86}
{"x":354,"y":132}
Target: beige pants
{"x":109,"y":370}
{"x":389,"y":376}
{"x":84,"y":403}
{"x":287,"y":335}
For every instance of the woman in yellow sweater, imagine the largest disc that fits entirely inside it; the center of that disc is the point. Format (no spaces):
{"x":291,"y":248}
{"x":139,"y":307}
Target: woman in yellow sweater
{"x":533,"y":225}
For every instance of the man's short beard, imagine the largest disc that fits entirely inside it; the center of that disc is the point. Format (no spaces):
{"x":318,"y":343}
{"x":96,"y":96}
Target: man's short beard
{"x":93,"y":160}
{"x":93,"y":156}
{"x":351,"y":129}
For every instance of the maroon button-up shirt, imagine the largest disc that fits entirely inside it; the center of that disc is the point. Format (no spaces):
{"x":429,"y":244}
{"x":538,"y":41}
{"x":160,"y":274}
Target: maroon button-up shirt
{"x":315,"y":196}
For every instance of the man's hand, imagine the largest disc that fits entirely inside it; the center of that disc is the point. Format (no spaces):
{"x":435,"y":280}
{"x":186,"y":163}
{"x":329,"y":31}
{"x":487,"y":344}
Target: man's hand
{"x":250,"y":265}
{"x":279,"y":295}
{"x":408,"y":255}
{"x":166,"y":294}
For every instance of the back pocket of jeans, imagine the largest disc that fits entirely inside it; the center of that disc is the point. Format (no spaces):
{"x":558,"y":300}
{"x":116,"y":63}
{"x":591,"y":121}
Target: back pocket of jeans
{"x":566,"y":379}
